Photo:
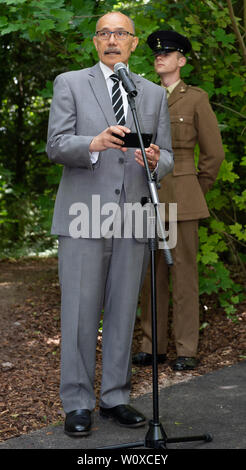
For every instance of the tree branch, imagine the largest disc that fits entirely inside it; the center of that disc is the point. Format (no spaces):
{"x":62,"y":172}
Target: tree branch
{"x":236,"y":30}
{"x":229,"y":109}
{"x":244,"y":14}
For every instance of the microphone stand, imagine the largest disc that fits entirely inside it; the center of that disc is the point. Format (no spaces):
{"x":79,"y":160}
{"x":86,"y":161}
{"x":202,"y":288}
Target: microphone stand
{"x":156,"y":437}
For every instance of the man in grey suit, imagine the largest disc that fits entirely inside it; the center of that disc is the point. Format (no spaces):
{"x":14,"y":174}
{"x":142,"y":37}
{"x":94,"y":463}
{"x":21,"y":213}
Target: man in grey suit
{"x":98,"y":271}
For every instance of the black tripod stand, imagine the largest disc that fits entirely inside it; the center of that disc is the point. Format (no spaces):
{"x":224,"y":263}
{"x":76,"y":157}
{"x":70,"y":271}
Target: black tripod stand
{"x":156,"y":437}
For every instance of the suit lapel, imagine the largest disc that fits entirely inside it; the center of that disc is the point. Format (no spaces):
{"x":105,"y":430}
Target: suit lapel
{"x":129,"y":119}
{"x":177,"y":93}
{"x":100,"y":90}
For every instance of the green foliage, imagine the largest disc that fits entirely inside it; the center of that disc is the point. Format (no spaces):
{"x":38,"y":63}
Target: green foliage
{"x":41,"y":38}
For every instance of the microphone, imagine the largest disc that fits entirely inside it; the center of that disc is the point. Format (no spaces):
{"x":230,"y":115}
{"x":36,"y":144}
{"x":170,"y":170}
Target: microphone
{"x":121,"y":70}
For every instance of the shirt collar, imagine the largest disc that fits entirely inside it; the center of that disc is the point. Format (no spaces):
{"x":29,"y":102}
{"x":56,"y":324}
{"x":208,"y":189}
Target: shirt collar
{"x":107,"y":71}
{"x":171,"y":87}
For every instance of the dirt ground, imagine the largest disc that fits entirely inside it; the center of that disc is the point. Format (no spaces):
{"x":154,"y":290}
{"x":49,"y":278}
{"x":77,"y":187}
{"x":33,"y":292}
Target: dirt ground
{"x":30,"y":342}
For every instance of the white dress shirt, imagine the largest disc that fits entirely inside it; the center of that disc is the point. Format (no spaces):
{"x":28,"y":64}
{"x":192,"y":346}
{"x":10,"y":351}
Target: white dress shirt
{"x":107,"y":72}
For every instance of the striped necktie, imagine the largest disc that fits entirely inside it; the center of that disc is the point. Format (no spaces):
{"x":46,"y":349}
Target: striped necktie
{"x":117,"y":101}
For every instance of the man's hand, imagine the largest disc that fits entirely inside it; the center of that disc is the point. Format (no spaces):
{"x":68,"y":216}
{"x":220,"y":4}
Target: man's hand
{"x":106,"y":140}
{"x":152,"y":155}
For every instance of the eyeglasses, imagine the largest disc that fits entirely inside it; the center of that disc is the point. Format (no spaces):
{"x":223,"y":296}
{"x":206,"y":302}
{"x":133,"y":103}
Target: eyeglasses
{"x":119,"y":35}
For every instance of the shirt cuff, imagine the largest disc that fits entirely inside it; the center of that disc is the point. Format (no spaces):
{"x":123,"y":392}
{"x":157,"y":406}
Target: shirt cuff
{"x":94,"y":157}
{"x":154,"y":172}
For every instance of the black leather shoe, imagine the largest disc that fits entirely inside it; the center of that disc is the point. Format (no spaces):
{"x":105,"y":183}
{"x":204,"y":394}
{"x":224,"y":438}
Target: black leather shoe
{"x":184,"y":363}
{"x":145,"y":359}
{"x":78,"y":423}
{"x":125,"y":415}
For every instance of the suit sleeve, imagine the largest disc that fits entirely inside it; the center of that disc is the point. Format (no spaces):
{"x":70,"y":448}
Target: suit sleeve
{"x":210,"y":144}
{"x":63,"y":145}
{"x":164,"y":141}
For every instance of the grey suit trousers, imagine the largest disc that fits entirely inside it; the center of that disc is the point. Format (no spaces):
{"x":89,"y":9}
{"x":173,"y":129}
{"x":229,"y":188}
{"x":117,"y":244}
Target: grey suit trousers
{"x":97,"y":273}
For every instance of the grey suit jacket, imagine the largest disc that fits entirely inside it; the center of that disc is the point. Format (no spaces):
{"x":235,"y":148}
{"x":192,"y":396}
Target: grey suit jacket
{"x":81,"y":108}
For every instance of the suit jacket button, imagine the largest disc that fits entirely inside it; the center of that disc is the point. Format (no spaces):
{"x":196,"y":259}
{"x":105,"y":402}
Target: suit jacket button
{"x":121,"y":160}
{"x":117,"y":191}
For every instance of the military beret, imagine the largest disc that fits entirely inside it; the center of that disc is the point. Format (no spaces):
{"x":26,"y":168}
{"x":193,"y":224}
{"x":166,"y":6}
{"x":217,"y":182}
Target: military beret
{"x":168,"y":41}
